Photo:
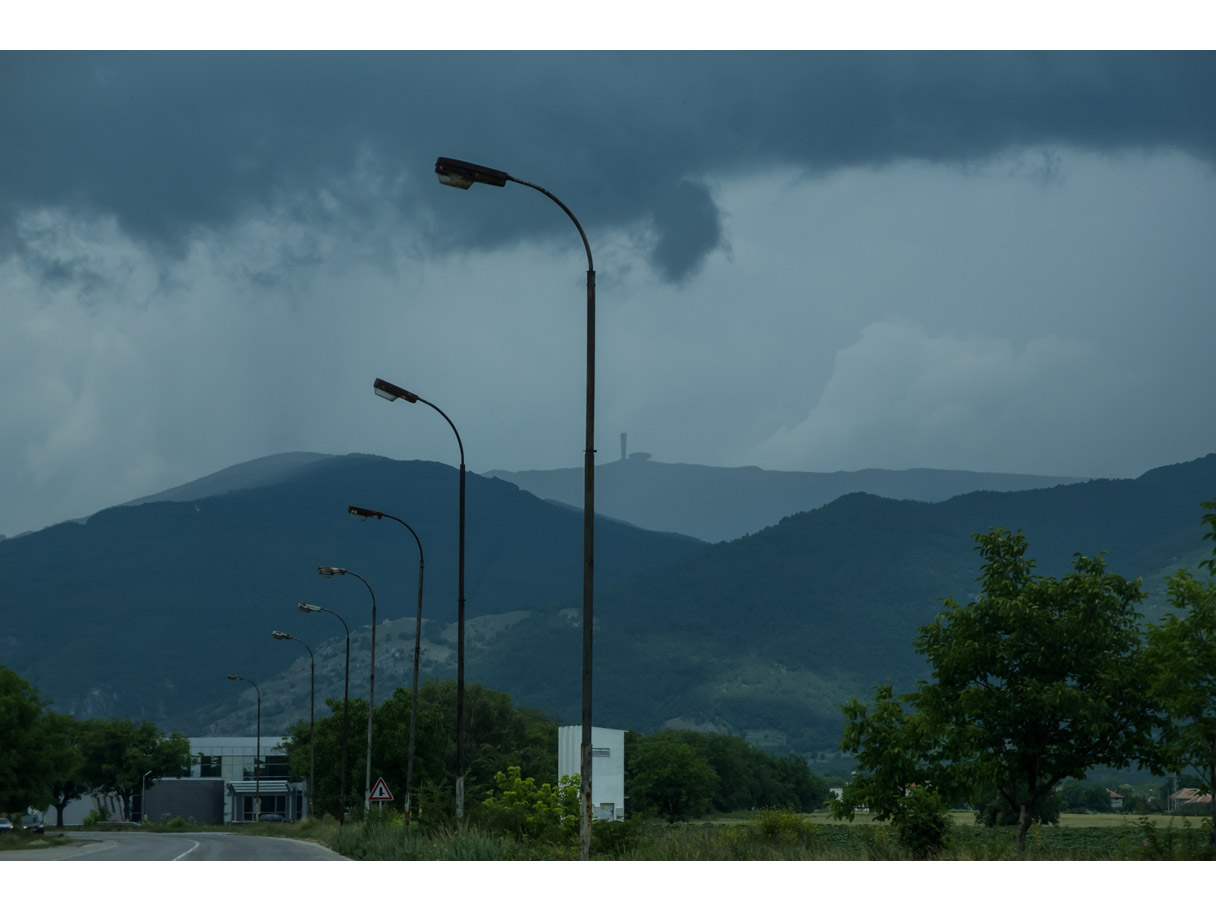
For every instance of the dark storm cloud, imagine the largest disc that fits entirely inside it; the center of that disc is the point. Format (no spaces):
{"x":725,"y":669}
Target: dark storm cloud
{"x":169,"y":143}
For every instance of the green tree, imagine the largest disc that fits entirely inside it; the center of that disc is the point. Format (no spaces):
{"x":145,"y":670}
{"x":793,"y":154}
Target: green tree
{"x":670,"y":779}
{"x":1181,"y":655}
{"x":1083,"y":798}
{"x":890,"y":747}
{"x":543,"y":813}
{"x":1038,"y":680}
{"x":66,"y":760}
{"x":119,"y":752}
{"x":25,"y":767}
{"x":498,"y":735}
{"x":748,"y":777}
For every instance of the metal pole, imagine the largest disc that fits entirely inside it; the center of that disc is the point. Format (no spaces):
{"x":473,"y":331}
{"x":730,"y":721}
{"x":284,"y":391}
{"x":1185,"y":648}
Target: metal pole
{"x":588,"y":537}
{"x":460,"y":658}
{"x":409,"y":763}
{"x":257,"y":759}
{"x":588,"y":573}
{"x":312,"y":703}
{"x":345,"y":726}
{"x":463,"y":174}
{"x":371,"y":698}
{"x":143,"y":790}
{"x":363,"y":513}
{"x":395,"y":392}
{"x":345,"y":707}
{"x":371,"y":711}
{"x":312,"y":740}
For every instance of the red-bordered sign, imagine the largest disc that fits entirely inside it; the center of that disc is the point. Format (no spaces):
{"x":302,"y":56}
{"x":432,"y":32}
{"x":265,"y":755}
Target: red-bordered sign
{"x":380,"y":791}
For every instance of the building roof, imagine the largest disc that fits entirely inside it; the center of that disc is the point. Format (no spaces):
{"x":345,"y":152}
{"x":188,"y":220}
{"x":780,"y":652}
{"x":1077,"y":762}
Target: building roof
{"x":1191,"y":796}
{"x":264,"y":787}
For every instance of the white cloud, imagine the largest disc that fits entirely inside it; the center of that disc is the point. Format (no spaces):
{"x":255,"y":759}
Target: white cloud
{"x":902,"y":398}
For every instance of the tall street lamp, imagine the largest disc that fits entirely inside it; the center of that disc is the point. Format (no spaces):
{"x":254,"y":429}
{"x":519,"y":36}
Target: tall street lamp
{"x":361,"y":513}
{"x":143,"y":791}
{"x":371,"y":693}
{"x":257,"y":753}
{"x":462,"y":175}
{"x":392,"y":392}
{"x":309,"y":609}
{"x":312,"y":705}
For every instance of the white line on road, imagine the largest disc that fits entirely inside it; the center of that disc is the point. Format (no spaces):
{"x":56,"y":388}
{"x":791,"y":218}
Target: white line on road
{"x":187,"y":852}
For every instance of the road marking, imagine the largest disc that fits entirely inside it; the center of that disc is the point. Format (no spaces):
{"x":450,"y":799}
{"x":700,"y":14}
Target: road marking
{"x":95,"y":847}
{"x":187,"y":852}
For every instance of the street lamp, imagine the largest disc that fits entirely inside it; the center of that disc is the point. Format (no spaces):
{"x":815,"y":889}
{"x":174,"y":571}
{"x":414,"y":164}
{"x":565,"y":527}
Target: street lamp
{"x":371,"y":693}
{"x":361,"y":513}
{"x":257,"y":753}
{"x":391,"y":392}
{"x":143,"y":790}
{"x":312,"y":704}
{"x":462,"y":174}
{"x":309,"y":609}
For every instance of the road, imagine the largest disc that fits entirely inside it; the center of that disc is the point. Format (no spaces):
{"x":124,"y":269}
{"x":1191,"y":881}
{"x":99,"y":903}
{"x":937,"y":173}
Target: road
{"x":118,"y":846}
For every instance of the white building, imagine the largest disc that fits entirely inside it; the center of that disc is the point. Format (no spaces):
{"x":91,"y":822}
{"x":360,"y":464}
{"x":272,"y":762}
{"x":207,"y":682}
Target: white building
{"x":607,"y":767}
{"x":218,"y":788}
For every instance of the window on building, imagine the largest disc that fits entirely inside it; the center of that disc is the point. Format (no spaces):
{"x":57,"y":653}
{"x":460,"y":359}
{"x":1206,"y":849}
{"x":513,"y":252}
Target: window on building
{"x":210,"y":766}
{"x":275,"y":767}
{"x":601,"y":752}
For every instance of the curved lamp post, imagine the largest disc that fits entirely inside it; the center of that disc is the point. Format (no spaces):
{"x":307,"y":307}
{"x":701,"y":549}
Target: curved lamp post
{"x":257,"y":753}
{"x":361,"y":513}
{"x":309,"y":609}
{"x":371,"y":692}
{"x":392,"y":392}
{"x":312,"y":705}
{"x":462,"y":175}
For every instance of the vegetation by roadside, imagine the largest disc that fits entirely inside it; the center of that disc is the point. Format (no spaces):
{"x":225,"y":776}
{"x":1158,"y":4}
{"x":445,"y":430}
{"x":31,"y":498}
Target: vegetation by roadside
{"x":766,"y":835}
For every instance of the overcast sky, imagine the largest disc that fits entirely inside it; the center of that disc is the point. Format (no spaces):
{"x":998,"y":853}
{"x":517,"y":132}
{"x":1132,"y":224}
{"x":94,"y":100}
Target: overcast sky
{"x":810,"y":261}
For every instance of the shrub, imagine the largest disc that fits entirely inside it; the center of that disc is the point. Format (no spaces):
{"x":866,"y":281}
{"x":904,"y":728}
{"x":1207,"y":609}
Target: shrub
{"x":543,"y":813}
{"x":922,"y":824}
{"x":784,"y":827}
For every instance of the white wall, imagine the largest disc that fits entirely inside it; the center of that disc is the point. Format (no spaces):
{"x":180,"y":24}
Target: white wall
{"x":607,"y":766}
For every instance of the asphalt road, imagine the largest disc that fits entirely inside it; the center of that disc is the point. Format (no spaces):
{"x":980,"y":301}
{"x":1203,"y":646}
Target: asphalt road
{"x":120,"y":846}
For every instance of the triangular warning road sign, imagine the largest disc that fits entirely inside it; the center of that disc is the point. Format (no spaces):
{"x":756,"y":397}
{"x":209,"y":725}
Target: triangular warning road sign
{"x":380,"y":791}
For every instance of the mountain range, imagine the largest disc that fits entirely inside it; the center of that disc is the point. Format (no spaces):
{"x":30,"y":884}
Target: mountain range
{"x":719,"y":504}
{"x":144,"y":608}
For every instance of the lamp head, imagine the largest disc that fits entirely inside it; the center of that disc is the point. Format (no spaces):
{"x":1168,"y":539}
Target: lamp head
{"x":462,"y":174}
{"x":362,"y":513}
{"x":280,"y":635}
{"x":331,"y":571}
{"x":391,"y":391}
{"x":233,"y":677}
{"x":306,"y":608}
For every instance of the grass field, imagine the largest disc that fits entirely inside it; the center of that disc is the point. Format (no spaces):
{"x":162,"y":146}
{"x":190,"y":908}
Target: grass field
{"x":768,"y":835}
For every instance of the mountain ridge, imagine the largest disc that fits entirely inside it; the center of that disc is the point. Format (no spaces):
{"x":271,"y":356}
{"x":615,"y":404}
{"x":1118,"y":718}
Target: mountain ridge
{"x":720,"y":504}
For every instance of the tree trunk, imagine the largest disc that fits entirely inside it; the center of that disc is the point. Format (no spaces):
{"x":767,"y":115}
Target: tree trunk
{"x":1212,"y":795}
{"x":1024,"y":818}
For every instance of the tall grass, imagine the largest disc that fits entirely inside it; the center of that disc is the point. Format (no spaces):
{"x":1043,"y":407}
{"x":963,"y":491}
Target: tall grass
{"x":767,"y":835}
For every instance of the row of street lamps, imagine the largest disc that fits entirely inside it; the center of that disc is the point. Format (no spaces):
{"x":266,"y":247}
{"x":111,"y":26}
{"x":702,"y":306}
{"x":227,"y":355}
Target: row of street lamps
{"x":462,"y":175}
{"x":358,"y":513}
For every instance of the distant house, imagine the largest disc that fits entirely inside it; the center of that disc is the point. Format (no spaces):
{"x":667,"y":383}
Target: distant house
{"x":1189,"y":796}
{"x":838,"y":794}
{"x":1116,"y":800}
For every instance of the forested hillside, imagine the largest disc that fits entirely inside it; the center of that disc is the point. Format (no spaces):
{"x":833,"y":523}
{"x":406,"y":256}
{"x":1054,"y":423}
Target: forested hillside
{"x":765,"y":636}
{"x":144,"y":609}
